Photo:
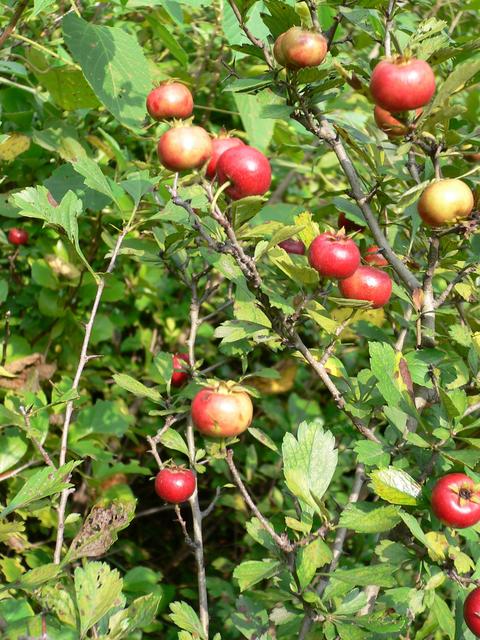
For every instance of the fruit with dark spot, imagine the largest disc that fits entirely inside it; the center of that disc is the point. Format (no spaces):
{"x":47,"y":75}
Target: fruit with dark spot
{"x":170,"y":100}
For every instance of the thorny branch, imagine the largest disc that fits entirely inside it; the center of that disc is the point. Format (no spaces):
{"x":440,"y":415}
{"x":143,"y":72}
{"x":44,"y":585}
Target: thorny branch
{"x":281,"y":541}
{"x":84,"y":358}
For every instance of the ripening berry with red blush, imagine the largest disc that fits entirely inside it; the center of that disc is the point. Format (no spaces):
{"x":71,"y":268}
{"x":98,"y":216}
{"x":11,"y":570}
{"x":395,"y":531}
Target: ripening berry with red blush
{"x":402,"y":84}
{"x":170,"y":100}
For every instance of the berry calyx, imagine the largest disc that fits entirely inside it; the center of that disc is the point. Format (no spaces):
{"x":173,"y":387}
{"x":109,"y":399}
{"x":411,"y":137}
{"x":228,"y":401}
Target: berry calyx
{"x":456,"y":501}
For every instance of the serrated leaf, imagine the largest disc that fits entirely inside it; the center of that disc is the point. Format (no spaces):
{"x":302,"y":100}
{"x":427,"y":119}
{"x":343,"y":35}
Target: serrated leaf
{"x":100,"y":530}
{"x":34,"y":202}
{"x":371,"y":453}
{"x":138,"y":615}
{"x":369,"y":518}
{"x":380,"y":575}
{"x":37,"y":576}
{"x":98,"y":589}
{"x":395,"y":486}
{"x":185,"y":617}
{"x":252,"y":571}
{"x":310,"y":558}
{"x":309,"y":461}
{"x":41,"y":484}
{"x":113,"y":64}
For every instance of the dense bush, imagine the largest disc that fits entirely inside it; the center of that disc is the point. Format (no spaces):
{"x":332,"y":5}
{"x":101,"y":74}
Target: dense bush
{"x":314,"y":519}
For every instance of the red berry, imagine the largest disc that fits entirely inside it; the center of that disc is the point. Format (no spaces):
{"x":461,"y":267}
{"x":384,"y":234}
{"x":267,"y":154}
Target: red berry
{"x":367,"y":283}
{"x":182,"y":148}
{"x":349,"y":226}
{"x":219,"y":146}
{"x":223,"y":411}
{"x":17,"y":236}
{"x":300,"y":48}
{"x":402,"y":84}
{"x":278,"y":51}
{"x":293,"y":246}
{"x":334,"y":256}
{"x":175,"y":485}
{"x":389,"y":122}
{"x":374,"y":257}
{"x":179,"y":375}
{"x":471,"y":611}
{"x":247,"y":169}
{"x":456,"y":501}
{"x":170,"y":100}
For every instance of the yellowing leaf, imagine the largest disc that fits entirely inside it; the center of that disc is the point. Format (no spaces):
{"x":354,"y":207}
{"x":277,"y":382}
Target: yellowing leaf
{"x":437,"y":546}
{"x":13,"y":146}
{"x":287,"y":369}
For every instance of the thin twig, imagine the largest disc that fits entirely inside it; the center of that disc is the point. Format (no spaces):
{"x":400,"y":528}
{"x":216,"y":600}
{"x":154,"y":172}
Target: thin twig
{"x":281,"y":541}
{"x":465,"y":271}
{"x":84,"y":358}
{"x":337,"y":548}
{"x":21,"y":6}
{"x":208,"y":510}
{"x":388,"y":27}
{"x":28,"y":428}
{"x":6,"y":337}
{"x":183,"y":524}
{"x":253,"y":39}
{"x":15,"y":472}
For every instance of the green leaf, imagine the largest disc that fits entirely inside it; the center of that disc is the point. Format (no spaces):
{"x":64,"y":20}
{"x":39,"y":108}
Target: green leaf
{"x":95,"y":179}
{"x":371,"y":453}
{"x":379,"y":575}
{"x":8,"y":529}
{"x":113,"y":64}
{"x":299,"y":274}
{"x":443,"y":616}
{"x":13,"y":446}
{"x":32,"y":579}
{"x":185,"y":617}
{"x":165,"y":35}
{"x":250,"y":107}
{"x":252,"y":571}
{"x":414,"y":527}
{"x":395,"y":486}
{"x":41,"y":484}
{"x":137,"y":388}
{"x":455,"y":81}
{"x":365,"y":517}
{"x":262,"y":437}
{"x":100,"y":530}
{"x":309,"y":461}
{"x":173,"y":440}
{"x":310,"y":558}
{"x":98,"y":589}
{"x":138,"y":615}
{"x":33,"y":202}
